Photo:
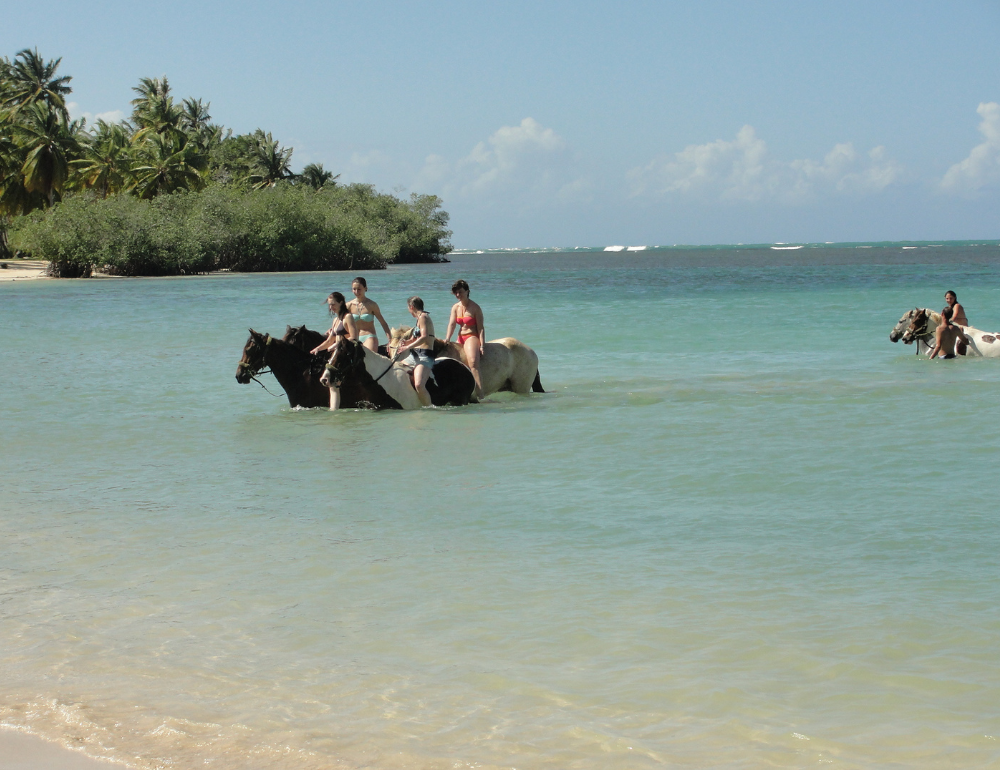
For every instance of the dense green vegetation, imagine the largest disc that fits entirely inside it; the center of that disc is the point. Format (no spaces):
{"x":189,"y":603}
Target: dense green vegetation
{"x":168,"y":192}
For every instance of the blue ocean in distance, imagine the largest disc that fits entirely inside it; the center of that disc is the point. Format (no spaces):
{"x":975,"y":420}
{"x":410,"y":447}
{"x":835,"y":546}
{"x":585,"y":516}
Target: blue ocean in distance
{"x":741,"y":529}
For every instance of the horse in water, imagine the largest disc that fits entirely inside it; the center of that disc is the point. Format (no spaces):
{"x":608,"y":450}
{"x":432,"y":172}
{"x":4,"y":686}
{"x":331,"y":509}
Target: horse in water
{"x":297,"y":371}
{"x":977,"y":343}
{"x":368,"y":379}
{"x":506,"y":363}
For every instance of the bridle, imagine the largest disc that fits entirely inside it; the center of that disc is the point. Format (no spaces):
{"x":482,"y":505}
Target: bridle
{"x":917,"y":334}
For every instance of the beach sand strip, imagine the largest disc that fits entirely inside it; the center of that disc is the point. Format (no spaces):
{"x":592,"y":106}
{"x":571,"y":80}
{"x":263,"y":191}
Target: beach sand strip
{"x":21,"y":751}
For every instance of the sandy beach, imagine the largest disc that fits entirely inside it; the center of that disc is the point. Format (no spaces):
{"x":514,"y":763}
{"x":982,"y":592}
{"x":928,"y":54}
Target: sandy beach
{"x":22,"y":269}
{"x":20,"y":751}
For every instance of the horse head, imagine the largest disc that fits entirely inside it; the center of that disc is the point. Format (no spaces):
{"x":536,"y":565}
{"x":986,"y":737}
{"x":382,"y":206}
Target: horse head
{"x":293,"y":336}
{"x":396,"y":338}
{"x":253,"y":357}
{"x":902,"y":325}
{"x":302,"y":338}
{"x":347,"y":356}
{"x":918,"y":326}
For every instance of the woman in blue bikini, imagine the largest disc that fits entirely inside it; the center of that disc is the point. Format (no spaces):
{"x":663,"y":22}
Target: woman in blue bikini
{"x":365,"y":311}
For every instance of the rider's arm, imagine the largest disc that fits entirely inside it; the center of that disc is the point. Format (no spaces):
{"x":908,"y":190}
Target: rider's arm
{"x":937,"y":343}
{"x":451,"y":323}
{"x":350,"y":327}
{"x":381,"y":320}
{"x":482,"y":328}
{"x":422,"y":336}
{"x":325,"y":344}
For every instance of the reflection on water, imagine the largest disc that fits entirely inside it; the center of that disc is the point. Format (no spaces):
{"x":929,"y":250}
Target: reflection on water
{"x":741,"y":530}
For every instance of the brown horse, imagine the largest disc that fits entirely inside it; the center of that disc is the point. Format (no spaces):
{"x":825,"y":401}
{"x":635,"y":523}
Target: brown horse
{"x":297,"y":371}
{"x":303,"y":338}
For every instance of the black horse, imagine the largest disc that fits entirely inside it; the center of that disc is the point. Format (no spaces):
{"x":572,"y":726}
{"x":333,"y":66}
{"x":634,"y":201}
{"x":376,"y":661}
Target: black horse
{"x":385,"y":385}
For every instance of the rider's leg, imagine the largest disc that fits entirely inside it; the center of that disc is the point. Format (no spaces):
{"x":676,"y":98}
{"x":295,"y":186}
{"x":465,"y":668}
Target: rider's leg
{"x":420,"y":376}
{"x":472,"y":356}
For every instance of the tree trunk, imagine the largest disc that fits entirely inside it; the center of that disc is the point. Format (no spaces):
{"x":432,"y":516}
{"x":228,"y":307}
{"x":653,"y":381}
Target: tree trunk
{"x":5,"y":251}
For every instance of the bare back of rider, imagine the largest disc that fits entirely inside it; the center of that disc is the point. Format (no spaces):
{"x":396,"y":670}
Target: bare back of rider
{"x":947,"y":338}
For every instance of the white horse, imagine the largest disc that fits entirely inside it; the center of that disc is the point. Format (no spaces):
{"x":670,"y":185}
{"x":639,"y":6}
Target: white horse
{"x":920,"y":324}
{"x":506,"y":363}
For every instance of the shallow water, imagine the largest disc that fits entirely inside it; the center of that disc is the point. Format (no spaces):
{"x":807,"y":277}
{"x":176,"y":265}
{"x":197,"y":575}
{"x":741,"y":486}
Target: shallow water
{"x":741,"y":530}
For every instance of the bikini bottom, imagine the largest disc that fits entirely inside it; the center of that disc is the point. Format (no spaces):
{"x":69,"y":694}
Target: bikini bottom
{"x":463,"y":337}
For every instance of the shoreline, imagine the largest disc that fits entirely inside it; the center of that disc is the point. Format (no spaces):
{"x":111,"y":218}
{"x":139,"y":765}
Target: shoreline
{"x":21,"y":750}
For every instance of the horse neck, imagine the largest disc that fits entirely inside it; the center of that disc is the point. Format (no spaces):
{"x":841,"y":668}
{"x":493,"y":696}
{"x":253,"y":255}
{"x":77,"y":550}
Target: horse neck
{"x":289,"y":365}
{"x":375,"y":366}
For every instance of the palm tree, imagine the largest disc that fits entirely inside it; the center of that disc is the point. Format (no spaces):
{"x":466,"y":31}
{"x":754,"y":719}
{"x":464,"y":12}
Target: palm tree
{"x":194,"y":115}
{"x":149,"y":90}
{"x":4,"y":80}
{"x":271,"y":163}
{"x":317,"y":177}
{"x":105,"y":164}
{"x":49,"y":144}
{"x":154,"y":110}
{"x":30,"y":79}
{"x":165,"y":165}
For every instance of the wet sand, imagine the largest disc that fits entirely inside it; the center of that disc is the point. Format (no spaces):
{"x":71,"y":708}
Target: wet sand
{"x":20,"y":751}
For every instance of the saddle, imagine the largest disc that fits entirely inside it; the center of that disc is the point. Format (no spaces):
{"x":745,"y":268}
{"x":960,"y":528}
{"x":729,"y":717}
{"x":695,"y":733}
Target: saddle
{"x":409,"y":367}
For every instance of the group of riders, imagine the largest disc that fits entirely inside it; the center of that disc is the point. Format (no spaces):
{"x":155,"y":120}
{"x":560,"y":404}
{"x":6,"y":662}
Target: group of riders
{"x":949,"y":339}
{"x":355,"y":320}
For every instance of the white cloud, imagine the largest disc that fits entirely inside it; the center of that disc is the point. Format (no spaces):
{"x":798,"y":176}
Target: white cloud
{"x":112,"y":116}
{"x":743,"y":170}
{"x":369,"y":159}
{"x":526,"y":159}
{"x":982,"y":167}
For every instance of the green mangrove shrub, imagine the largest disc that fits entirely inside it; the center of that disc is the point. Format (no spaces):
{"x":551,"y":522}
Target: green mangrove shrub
{"x":285,"y":227}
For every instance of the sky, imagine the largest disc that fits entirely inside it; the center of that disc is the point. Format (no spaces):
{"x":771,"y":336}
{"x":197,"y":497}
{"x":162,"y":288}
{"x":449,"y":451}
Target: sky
{"x":588,"y":123}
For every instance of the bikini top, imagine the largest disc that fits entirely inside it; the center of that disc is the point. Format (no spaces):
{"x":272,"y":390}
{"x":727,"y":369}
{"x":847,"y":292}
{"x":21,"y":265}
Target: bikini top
{"x":368,"y":318}
{"x":468,"y":322}
{"x":338,"y":327}
{"x":415,"y":334}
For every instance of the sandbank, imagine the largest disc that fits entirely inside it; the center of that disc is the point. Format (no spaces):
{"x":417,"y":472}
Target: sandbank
{"x":23,"y":269}
{"x":21,"y":751}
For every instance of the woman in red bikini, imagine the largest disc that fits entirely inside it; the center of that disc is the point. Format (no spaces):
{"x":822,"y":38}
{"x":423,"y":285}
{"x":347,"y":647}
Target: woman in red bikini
{"x":468,"y":317}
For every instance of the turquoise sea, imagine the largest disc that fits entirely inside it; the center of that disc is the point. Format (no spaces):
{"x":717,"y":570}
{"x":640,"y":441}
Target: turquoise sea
{"x":741,"y":530}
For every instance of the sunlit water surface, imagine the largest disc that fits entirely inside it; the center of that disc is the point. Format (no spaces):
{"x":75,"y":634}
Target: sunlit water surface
{"x":740,"y":530}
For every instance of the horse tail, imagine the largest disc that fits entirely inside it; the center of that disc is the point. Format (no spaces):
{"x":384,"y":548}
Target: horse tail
{"x":536,"y":386}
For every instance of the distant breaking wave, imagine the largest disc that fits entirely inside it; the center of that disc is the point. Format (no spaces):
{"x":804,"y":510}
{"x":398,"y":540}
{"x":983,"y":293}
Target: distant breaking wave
{"x":731,"y":246}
